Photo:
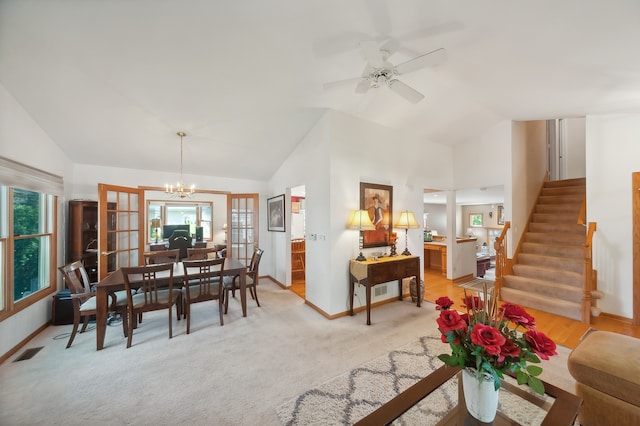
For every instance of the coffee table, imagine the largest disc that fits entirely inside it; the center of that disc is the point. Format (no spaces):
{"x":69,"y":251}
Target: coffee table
{"x":556,"y":407}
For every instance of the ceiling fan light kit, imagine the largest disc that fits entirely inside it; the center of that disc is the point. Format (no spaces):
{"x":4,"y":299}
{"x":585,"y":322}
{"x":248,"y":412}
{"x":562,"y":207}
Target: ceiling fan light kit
{"x":379,"y":72}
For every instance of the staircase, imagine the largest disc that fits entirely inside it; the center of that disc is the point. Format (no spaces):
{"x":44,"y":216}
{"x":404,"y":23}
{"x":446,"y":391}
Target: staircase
{"x":548,"y":273}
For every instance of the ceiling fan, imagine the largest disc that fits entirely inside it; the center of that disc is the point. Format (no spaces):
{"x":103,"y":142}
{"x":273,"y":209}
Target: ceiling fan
{"x":379,"y":71}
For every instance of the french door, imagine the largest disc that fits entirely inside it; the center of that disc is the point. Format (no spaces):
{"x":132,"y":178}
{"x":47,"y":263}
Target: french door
{"x":120,"y":225}
{"x":242,"y":215}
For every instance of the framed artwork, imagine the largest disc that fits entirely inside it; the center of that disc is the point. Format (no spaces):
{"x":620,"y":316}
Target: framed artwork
{"x":378,"y":201}
{"x":500,"y":215}
{"x":275,"y":210}
{"x":475,"y":220}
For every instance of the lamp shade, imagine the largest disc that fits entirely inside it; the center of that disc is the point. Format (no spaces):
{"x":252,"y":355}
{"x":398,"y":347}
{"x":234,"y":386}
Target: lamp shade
{"x":406,"y":220}
{"x":155,"y":223}
{"x":361,"y":221}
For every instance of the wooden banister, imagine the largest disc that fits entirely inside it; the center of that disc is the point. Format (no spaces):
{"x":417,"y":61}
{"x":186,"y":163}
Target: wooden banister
{"x":589,"y":284}
{"x":500,"y":246}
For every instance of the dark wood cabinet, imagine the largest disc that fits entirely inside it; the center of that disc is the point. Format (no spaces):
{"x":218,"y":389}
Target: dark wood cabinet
{"x":82,"y":230}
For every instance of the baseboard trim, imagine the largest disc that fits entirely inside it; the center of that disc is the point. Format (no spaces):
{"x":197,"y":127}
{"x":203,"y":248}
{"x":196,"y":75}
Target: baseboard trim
{"x":617,"y":318}
{"x":24,"y":341}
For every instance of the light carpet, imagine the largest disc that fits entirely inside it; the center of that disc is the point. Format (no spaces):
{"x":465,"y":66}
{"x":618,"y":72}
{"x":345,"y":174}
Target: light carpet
{"x":232,"y":375}
{"x":351,"y":396}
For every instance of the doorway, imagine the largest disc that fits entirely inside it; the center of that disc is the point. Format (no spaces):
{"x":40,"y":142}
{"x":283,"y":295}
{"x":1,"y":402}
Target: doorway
{"x":298,"y":241}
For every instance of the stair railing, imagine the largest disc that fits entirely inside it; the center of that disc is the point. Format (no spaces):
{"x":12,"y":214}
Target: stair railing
{"x":500,"y":246}
{"x":589,"y":282}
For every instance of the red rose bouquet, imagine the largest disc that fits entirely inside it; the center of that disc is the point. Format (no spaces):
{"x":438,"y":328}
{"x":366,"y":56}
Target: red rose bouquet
{"x":485,"y":337}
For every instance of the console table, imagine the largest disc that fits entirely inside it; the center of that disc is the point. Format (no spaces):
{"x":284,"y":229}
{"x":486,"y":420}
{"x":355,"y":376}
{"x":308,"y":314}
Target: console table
{"x":373,"y":272}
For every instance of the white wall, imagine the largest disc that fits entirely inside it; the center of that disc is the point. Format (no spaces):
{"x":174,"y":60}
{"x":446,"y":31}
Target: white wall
{"x":338,"y":154}
{"x":22,"y":140}
{"x":612,"y":155}
{"x":575,"y":160}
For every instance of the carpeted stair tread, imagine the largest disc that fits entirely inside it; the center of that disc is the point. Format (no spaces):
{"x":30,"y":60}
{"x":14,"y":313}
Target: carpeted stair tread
{"x":556,"y":227}
{"x":560,"y":199}
{"x":557,"y":250}
{"x":562,"y":238}
{"x":564,"y":190}
{"x":543,"y":288}
{"x":560,"y":276}
{"x":542,"y":303}
{"x":551,"y":262}
{"x":558,"y":208}
{"x":566,"y":182}
{"x":562,"y":217}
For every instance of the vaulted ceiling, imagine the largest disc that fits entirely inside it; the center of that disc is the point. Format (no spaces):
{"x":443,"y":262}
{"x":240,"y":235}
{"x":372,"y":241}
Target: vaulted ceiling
{"x":111,"y":82}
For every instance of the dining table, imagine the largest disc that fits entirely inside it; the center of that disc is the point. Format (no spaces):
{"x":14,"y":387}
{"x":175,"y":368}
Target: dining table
{"x":115,"y":281}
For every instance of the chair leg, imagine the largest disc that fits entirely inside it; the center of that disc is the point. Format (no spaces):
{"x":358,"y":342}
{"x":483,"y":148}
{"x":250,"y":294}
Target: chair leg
{"x":76,"y":323}
{"x":226,"y":300}
{"x":220,"y":310}
{"x":125,"y":321}
{"x":254,"y":294}
{"x":170,"y":324}
{"x":130,"y":322}
{"x":187,"y":313}
{"x":84,"y":324}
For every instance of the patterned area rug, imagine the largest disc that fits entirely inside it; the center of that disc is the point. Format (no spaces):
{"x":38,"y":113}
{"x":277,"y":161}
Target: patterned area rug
{"x":351,"y":396}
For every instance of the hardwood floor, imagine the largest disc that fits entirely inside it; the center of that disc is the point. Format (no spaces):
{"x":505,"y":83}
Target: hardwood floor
{"x":563,"y":331}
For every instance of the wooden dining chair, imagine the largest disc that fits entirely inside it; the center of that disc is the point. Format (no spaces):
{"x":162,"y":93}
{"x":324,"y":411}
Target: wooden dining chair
{"x":202,"y":253}
{"x":83,"y":298}
{"x":155,"y":291}
{"x":165,"y":256}
{"x":297,"y":256}
{"x":203,"y":280}
{"x":231,"y":284}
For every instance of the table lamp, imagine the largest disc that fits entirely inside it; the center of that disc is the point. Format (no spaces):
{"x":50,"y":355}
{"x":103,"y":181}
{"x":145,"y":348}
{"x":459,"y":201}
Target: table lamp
{"x":361,"y":221}
{"x":155,"y":223}
{"x":406,"y":221}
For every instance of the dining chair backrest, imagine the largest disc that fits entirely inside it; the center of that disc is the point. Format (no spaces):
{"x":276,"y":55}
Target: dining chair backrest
{"x":74,"y":277}
{"x":149,"y":280}
{"x":203,"y":275}
{"x":252,"y":271}
{"x":201,"y":253}
{"x":165,"y":256}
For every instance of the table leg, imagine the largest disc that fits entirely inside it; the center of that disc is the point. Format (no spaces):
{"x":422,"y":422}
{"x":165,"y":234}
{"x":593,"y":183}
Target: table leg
{"x":101,"y":316}
{"x":352,"y":288}
{"x":368,"y":304}
{"x":400,"y":289}
{"x":243,"y":291}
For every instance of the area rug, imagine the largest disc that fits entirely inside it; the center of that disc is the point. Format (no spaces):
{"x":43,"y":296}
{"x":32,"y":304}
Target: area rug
{"x":353,"y":395}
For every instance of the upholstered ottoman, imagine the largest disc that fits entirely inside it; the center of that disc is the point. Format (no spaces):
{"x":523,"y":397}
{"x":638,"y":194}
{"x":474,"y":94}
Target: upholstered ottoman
{"x":606,"y":367}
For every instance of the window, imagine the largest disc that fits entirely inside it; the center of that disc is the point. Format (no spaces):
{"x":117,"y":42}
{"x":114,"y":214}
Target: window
{"x":194,"y":214}
{"x":28,"y":235}
{"x":32,"y":246}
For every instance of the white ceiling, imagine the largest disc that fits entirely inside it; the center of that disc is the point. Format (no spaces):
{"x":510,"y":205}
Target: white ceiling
{"x":111,"y":82}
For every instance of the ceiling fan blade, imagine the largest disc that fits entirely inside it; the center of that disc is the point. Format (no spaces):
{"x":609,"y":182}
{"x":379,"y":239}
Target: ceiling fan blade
{"x":363,"y":86}
{"x":436,"y":57}
{"x":372,"y":53}
{"x":405,"y":91}
{"x":340,"y":83}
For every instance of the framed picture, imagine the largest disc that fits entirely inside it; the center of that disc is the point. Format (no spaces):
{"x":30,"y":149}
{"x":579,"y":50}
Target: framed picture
{"x":378,"y":201}
{"x":275,"y":210}
{"x":500,"y":215}
{"x":475,"y":219}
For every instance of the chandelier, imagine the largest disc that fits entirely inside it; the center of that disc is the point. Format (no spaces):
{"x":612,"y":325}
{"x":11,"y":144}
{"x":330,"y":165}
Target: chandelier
{"x":179,"y":191}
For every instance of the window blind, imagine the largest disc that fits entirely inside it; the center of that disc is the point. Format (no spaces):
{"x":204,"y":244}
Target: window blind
{"x":19,"y":175}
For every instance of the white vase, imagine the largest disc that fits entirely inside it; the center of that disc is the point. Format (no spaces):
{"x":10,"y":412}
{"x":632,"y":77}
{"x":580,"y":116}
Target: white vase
{"x":480,"y":396}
